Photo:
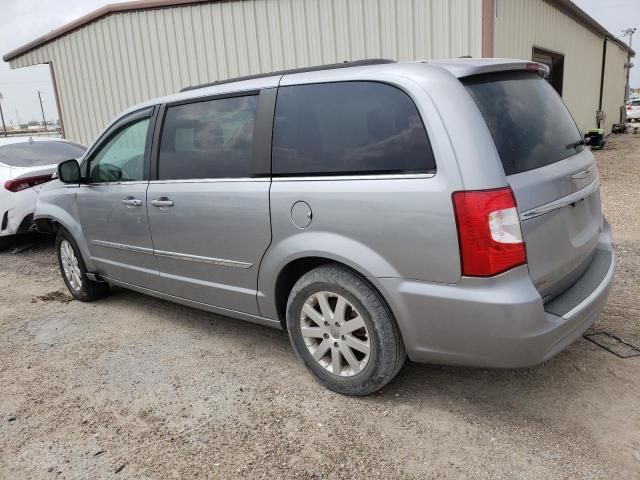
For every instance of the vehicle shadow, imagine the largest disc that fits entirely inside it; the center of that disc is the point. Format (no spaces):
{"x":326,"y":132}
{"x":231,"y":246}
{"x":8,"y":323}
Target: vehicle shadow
{"x":28,"y":241}
{"x":447,"y":386}
{"x":553,"y":389}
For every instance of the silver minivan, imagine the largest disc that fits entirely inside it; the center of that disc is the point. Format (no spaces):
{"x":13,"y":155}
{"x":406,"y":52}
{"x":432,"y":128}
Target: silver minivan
{"x":447,"y":211}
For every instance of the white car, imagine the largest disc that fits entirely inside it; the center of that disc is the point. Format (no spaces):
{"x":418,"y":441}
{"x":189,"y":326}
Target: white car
{"x":633,"y":109}
{"x":25,"y":164}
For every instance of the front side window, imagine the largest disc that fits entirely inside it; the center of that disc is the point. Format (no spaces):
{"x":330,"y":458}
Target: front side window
{"x":121,"y":159}
{"x":208,"y":139}
{"x":347,"y":128}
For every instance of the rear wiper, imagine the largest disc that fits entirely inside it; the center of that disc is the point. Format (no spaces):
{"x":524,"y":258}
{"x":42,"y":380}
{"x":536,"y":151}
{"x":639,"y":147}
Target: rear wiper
{"x":576,"y":144}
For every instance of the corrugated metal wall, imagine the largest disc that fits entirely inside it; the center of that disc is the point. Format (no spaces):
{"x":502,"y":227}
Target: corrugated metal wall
{"x":129,"y":57}
{"x":522,"y":24}
{"x":615,"y":79}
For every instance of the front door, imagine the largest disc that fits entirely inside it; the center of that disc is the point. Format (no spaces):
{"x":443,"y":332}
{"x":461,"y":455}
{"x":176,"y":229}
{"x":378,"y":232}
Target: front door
{"x":208,"y":210}
{"x":112,"y":203}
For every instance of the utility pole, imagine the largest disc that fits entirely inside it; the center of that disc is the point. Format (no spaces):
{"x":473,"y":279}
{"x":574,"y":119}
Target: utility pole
{"x":42,"y":108}
{"x":4,"y":127}
{"x":628,"y":32}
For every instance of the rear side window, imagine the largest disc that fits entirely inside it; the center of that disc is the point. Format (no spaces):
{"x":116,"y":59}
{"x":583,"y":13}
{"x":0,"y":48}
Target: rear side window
{"x":530,"y":124}
{"x":209,"y":139}
{"x":348,"y":128}
{"x":36,"y":153}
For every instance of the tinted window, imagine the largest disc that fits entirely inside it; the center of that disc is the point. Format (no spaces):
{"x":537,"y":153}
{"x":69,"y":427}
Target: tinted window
{"x":348,"y":128}
{"x":635,"y":103}
{"x":530,"y":124}
{"x":211,"y":139}
{"x":36,"y":153}
{"x":121,"y":159}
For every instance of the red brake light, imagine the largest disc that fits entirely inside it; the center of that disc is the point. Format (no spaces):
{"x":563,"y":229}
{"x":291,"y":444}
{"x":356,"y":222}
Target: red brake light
{"x":488,"y":232}
{"x":23,"y":183}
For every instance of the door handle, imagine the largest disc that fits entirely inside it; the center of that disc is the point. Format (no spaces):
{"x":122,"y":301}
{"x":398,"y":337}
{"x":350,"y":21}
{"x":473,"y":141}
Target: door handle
{"x":162,"y":202}
{"x":132,"y":202}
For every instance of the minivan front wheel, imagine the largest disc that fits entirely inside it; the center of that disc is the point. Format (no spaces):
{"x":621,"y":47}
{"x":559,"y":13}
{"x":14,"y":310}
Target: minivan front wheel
{"x":343,"y":332}
{"x":74,"y":271}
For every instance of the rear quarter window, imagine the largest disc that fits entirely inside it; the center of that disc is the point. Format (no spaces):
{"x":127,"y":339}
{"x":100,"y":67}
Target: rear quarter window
{"x":529,"y":122}
{"x":346,"y":128}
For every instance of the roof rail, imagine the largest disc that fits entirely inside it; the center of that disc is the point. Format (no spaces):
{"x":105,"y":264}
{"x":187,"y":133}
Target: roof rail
{"x":331,"y":66}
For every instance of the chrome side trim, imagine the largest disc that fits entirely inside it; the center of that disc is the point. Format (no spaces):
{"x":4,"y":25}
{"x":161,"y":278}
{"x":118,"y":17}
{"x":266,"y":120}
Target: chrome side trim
{"x":101,"y":184}
{"x":562,"y":202}
{"x":211,"y":180}
{"x":583,"y":174}
{"x":121,"y":246}
{"x":173,"y":255}
{"x":197,"y":258}
{"x":389,"y":176}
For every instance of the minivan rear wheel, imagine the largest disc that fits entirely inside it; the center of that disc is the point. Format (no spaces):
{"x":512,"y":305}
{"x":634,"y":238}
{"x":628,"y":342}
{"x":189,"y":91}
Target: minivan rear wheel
{"x":342,"y":330}
{"x":74,"y":271}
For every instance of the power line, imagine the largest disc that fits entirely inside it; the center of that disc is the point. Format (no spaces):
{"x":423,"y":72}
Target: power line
{"x":620,"y":5}
{"x":26,"y":81}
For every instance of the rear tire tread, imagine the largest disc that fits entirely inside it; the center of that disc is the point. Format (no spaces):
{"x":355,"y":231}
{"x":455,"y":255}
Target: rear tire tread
{"x":392,"y":357}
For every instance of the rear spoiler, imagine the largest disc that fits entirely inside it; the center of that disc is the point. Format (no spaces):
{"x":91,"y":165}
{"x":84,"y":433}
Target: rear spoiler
{"x":27,"y":172}
{"x":464,"y":67}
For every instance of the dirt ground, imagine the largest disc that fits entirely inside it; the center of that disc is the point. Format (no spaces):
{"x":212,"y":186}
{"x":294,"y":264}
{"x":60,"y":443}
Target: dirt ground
{"x":134,"y":387}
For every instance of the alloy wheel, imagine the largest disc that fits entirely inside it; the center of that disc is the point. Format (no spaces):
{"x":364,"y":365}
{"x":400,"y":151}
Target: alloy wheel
{"x":70,"y":265}
{"x":335,"y":333}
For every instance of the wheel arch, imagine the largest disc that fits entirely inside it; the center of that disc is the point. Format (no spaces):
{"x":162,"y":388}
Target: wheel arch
{"x":53,"y":219}
{"x":310,"y":249}
{"x":288,"y":276}
{"x":295,"y":269}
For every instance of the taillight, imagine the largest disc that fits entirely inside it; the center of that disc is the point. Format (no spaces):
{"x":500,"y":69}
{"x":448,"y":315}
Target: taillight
{"x":628,"y":107}
{"x":489,"y":232}
{"x":27,"y":182}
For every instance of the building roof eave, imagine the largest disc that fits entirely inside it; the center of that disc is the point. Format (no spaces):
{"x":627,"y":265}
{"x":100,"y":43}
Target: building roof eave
{"x":574,"y":11}
{"x":566,"y":6}
{"x":92,"y":17}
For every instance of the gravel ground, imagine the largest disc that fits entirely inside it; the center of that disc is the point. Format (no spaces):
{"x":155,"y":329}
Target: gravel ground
{"x":134,"y":387}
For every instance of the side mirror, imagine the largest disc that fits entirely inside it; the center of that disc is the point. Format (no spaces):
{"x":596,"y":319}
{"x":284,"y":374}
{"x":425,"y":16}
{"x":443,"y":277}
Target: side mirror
{"x":69,"y":172}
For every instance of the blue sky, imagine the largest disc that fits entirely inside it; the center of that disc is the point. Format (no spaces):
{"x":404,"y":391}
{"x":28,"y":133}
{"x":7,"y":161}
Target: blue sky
{"x":19,"y":87}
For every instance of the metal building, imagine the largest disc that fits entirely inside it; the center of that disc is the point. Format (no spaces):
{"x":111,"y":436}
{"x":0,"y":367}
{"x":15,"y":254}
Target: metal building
{"x":125,"y":53}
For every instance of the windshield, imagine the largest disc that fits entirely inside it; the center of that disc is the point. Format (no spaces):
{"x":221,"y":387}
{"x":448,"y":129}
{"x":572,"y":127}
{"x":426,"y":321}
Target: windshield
{"x":528,"y":120}
{"x":35,"y":154}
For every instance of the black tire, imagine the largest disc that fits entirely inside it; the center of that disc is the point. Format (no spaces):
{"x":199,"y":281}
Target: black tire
{"x":387,"y":352}
{"x":89,"y":290}
{"x":6,"y":242}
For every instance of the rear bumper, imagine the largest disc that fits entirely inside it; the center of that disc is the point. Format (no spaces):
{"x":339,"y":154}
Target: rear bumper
{"x":17,"y":206}
{"x":498,"y":322}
